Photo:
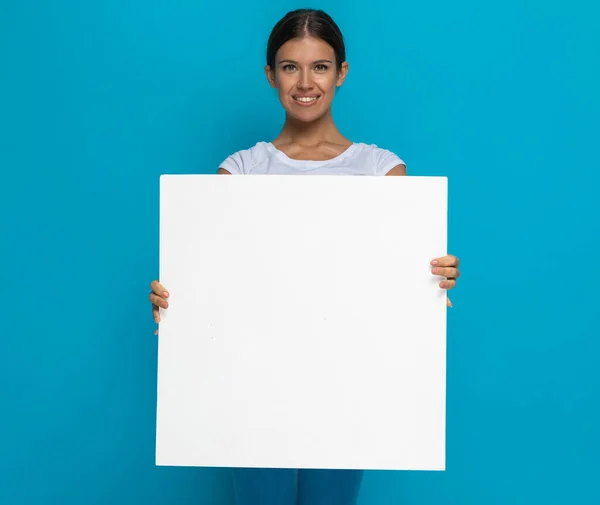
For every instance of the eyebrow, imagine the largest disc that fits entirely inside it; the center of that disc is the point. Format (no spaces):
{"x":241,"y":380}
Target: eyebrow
{"x":314,"y":62}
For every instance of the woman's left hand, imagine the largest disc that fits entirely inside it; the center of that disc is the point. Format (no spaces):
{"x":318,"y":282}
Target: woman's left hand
{"x":447,"y":267}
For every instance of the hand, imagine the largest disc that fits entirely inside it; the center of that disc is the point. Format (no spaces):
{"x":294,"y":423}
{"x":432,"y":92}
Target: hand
{"x":447,"y":267}
{"x":158,"y":298}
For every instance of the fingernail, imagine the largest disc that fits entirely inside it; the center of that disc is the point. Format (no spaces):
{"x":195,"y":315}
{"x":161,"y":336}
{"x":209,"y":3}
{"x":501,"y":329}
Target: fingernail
{"x":434,"y":271}
{"x":166,"y":294}
{"x":165,"y":305}
{"x":434,"y":262}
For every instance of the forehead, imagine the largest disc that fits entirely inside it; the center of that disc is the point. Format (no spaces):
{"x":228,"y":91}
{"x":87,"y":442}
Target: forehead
{"x":306,"y":49}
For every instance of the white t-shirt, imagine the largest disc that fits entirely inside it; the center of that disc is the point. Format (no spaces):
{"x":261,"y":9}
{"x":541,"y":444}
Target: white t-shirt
{"x":264,"y":158}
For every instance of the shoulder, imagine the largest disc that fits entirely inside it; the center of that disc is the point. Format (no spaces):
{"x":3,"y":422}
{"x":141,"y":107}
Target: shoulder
{"x":383,"y":160}
{"x":242,"y":162}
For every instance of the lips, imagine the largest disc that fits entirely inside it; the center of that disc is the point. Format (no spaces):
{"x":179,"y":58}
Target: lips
{"x":305,"y":99}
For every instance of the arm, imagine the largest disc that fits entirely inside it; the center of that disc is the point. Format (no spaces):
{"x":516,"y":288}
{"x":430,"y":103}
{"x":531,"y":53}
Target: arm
{"x":222,"y":171}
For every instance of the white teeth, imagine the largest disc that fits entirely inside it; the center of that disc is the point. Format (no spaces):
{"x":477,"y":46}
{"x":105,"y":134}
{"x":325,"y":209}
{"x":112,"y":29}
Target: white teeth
{"x":306,"y":99}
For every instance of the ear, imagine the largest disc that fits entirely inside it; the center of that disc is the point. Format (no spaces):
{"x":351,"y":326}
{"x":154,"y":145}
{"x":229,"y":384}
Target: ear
{"x":342,"y":73}
{"x":270,"y":73}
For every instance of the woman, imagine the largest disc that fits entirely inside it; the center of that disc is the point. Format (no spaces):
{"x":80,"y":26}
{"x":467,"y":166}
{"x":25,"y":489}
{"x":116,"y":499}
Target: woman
{"x":306,"y":63}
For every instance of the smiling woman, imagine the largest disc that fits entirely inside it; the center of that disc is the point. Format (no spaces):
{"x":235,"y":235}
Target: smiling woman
{"x":306,"y":63}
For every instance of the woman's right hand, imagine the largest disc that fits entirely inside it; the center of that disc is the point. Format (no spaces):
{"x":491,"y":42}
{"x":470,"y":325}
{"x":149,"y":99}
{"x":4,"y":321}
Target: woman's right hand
{"x":158,"y":298}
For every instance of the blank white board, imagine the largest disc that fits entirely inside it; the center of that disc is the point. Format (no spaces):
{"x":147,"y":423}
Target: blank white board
{"x":305,"y":329}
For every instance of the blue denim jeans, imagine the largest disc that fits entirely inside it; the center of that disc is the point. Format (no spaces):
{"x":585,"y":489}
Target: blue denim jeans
{"x":277,"y":486}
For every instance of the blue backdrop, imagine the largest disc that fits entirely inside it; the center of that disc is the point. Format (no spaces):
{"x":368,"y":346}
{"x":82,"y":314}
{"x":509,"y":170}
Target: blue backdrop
{"x":97,"y":99}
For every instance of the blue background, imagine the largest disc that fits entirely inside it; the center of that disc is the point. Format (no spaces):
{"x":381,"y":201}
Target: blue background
{"x":97,"y":99}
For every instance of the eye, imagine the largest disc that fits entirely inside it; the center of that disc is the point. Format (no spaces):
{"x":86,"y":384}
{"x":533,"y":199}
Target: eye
{"x":289,"y":67}
{"x":321,"y":67}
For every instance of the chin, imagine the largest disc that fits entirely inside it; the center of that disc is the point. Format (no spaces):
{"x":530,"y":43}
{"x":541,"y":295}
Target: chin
{"x":307,"y":116}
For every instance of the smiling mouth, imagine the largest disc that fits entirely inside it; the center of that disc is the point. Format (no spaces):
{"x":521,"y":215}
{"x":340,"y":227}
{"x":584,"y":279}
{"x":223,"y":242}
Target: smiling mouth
{"x":306,"y":100}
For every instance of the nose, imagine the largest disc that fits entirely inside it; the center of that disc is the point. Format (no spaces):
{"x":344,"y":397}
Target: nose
{"x":305,"y":80}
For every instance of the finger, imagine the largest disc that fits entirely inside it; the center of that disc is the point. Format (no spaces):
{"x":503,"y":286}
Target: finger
{"x":446,"y":261}
{"x":158,"y":301}
{"x":156,"y":314}
{"x":449,"y":284}
{"x":159,"y":289}
{"x":449,"y":272}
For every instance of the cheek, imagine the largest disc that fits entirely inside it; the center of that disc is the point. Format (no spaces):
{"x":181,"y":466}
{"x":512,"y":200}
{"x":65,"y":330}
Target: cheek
{"x":326,"y":82}
{"x":284,"y":82}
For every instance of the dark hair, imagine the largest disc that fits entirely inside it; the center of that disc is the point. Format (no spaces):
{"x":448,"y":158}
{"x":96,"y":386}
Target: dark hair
{"x":301,"y":23}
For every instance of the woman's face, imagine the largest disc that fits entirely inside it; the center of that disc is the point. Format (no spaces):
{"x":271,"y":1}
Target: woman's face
{"x":305,"y":76}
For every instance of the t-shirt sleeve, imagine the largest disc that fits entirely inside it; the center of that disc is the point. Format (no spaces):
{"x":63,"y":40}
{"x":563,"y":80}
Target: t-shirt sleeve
{"x":239,"y":163}
{"x":386,"y":160}
{"x":233,"y":164}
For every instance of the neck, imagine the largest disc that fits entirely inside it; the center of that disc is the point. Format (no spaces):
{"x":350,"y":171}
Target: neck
{"x":310,"y":134}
